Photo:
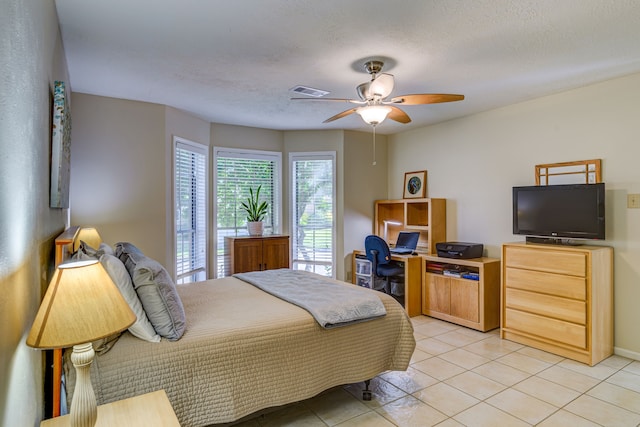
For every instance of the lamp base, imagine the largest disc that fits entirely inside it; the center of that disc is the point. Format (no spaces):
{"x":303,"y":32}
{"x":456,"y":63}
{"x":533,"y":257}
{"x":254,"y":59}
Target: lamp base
{"x":84,"y":410}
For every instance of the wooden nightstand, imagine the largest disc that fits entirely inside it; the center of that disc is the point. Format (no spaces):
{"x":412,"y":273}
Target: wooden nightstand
{"x":151,"y":409}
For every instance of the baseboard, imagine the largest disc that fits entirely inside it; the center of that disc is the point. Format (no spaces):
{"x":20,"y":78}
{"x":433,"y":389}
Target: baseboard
{"x":626,"y":353}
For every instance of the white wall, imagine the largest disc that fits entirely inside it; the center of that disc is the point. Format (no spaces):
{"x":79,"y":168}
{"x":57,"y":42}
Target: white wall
{"x":474,"y":162}
{"x":32,"y":59}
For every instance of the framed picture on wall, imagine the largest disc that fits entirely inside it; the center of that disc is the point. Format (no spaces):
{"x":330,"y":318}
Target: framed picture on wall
{"x":60,"y":148}
{"x":415,"y":185}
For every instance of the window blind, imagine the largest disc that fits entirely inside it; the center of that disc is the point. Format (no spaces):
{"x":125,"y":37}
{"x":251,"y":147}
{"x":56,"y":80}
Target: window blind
{"x":191,"y":212}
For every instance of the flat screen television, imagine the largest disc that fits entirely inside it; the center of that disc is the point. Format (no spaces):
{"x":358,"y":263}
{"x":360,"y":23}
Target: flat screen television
{"x":572,"y":211}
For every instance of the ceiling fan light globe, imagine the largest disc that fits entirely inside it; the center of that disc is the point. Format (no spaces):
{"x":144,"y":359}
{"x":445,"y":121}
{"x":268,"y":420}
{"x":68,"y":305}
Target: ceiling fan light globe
{"x":374,"y":114}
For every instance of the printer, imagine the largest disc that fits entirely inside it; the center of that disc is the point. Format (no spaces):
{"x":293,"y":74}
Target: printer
{"x":462,"y":250}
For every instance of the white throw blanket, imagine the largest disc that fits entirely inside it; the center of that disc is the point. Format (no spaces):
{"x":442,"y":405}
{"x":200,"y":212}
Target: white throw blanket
{"x":330,"y":302}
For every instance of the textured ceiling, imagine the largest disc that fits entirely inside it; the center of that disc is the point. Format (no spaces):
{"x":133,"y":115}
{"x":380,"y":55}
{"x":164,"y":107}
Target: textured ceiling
{"x":235,"y":62}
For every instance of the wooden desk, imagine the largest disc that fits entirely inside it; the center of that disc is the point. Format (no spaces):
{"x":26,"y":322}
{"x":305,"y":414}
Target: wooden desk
{"x":412,"y":280}
{"x":148,"y":410}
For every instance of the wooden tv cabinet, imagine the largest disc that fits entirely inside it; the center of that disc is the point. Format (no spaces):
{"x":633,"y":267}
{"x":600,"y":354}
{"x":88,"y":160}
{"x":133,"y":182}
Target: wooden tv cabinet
{"x":559,"y":299}
{"x":471,"y":303}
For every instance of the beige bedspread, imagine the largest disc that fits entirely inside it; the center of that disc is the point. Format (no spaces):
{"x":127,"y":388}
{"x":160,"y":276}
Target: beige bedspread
{"x":245,"y":350}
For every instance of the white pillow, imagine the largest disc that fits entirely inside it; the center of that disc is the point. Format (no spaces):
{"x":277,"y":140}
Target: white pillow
{"x":142,"y":328}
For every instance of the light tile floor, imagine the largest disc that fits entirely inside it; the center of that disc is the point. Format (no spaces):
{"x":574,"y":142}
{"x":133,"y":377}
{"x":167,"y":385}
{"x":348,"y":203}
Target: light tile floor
{"x":462,"y":377}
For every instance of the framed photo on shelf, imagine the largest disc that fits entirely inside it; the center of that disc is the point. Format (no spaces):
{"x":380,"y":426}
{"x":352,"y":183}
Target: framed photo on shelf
{"x":415,"y":185}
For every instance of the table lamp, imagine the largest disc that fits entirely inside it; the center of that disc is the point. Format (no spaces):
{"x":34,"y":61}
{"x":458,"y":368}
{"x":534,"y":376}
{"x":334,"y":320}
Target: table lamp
{"x":81,"y":305}
{"x":386,"y":223}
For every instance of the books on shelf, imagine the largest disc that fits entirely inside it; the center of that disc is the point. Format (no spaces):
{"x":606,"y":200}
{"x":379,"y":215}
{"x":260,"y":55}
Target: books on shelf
{"x":452,"y":270}
{"x":452,"y":273}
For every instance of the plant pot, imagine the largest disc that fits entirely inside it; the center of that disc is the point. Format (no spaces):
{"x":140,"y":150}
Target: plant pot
{"x":255,"y":228}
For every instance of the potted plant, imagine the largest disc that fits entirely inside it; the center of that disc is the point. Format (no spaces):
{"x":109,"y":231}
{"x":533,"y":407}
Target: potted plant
{"x":256,"y":211}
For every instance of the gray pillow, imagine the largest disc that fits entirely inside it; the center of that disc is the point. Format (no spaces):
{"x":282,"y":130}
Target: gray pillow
{"x":156,"y":290}
{"x":142,"y":328}
{"x":124,"y":249}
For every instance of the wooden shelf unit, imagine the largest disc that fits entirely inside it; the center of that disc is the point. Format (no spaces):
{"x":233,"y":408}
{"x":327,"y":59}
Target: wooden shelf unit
{"x":467,"y":302}
{"x":559,"y":299}
{"x":256,"y":253}
{"x":428,"y":216}
{"x":412,"y":279}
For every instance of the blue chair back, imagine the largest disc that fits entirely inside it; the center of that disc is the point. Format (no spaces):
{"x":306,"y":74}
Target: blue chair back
{"x":375,"y":243}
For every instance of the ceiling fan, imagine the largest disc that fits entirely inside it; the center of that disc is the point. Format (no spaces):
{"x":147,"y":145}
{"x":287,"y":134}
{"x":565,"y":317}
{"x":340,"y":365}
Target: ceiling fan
{"x":374,"y":105}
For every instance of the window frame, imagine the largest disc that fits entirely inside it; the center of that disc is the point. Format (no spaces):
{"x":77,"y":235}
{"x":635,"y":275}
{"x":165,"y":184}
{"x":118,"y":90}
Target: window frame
{"x":313,"y":155}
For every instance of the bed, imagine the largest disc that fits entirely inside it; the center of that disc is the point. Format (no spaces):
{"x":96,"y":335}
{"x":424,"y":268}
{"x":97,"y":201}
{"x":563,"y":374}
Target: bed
{"x":244,"y":350}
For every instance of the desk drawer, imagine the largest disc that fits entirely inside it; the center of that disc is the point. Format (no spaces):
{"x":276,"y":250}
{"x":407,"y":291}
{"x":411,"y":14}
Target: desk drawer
{"x":552,"y":261}
{"x":546,"y":283}
{"x":546,"y":305}
{"x":544,"y":327}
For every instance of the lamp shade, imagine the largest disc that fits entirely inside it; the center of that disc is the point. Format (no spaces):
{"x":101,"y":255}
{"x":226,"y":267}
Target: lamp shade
{"x":374,"y":114}
{"x":81,"y":305}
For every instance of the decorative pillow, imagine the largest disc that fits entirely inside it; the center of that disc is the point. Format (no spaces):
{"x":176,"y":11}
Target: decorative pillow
{"x":156,"y":290}
{"x":87,"y":252}
{"x":142,"y":328}
{"x":122,"y":251}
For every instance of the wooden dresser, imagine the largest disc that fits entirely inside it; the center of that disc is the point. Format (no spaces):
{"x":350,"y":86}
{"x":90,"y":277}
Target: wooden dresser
{"x":559,"y":299}
{"x":256,"y":253}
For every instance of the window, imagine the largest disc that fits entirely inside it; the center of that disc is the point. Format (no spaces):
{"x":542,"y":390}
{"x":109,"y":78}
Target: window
{"x":190,"y":195}
{"x":313,"y":211}
{"x":235,"y":172}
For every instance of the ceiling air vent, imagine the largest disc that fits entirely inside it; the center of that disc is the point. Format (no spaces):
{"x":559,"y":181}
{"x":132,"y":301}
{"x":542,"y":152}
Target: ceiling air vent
{"x":309,"y":91}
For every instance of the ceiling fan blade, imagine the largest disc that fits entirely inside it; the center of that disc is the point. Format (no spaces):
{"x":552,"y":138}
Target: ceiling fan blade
{"x":382,"y":85}
{"x":364,"y":91}
{"x":426,"y":98}
{"x":341,"y":115}
{"x":351,"y":101}
{"x":398,"y":115}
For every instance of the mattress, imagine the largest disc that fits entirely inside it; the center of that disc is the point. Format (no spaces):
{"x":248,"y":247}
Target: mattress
{"x":246,"y":350}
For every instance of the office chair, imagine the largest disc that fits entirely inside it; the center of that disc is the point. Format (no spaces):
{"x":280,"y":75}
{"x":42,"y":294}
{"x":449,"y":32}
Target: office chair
{"x":378,"y":253}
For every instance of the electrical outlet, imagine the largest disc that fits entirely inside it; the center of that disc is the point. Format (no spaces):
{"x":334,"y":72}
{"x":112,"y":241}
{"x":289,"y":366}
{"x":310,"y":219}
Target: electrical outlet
{"x":633,"y":201}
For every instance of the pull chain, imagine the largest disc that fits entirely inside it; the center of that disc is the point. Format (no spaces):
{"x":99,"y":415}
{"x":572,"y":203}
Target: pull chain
{"x":374,"y":145}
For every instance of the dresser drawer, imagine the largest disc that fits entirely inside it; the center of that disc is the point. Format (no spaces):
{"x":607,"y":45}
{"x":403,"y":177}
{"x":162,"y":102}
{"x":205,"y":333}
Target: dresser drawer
{"x":547,"y":328}
{"x":546,"y":283}
{"x":566,"y":309}
{"x":552,"y":261}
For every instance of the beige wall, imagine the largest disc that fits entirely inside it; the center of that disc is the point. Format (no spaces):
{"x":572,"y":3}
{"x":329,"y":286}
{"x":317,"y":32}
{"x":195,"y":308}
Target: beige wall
{"x":363,"y":183}
{"x":475,"y":161}
{"x":118,"y":170}
{"x":32,"y":59}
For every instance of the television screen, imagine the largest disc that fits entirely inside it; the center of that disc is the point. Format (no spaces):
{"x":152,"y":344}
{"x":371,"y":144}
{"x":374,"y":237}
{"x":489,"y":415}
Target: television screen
{"x":574,"y":211}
